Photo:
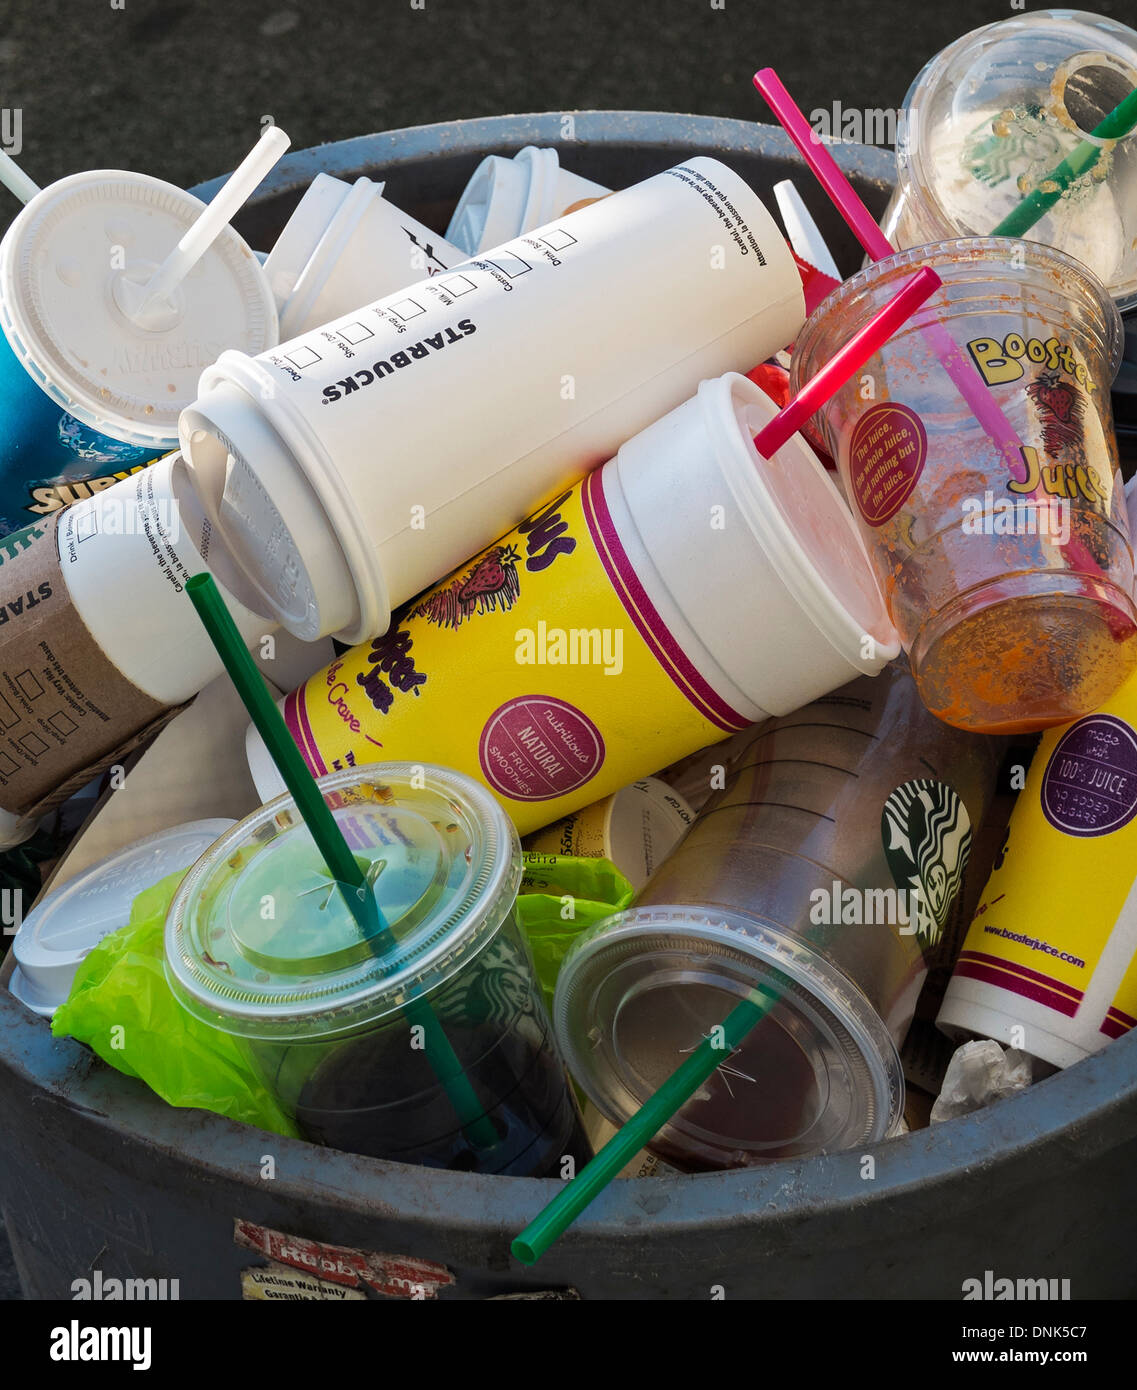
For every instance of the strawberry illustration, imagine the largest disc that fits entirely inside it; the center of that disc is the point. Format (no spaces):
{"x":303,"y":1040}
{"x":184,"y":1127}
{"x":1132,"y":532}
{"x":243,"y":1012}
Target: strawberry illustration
{"x":490,"y":584}
{"x":1060,"y":407}
{"x":487,"y":576}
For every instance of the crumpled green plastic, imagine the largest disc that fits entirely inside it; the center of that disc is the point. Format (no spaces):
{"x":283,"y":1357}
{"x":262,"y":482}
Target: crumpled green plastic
{"x":554,"y":885}
{"x":121,"y":1006}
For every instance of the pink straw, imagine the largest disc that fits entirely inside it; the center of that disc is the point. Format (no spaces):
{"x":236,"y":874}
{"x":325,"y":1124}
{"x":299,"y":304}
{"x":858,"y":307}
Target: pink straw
{"x":959,"y":368}
{"x":841,"y":367}
{"x":962,"y":371}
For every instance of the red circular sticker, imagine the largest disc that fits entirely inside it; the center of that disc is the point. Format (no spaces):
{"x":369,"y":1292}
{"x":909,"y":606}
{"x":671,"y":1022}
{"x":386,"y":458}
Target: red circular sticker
{"x":536,"y":748}
{"x":886,"y":457}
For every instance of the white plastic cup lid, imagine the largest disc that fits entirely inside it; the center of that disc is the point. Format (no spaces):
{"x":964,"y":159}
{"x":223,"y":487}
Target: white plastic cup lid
{"x":70,"y":260}
{"x":68,"y":924}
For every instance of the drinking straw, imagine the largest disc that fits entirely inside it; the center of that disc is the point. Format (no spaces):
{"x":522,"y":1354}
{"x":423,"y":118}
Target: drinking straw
{"x":1079,"y":161}
{"x":342,"y":864}
{"x":226,"y":203}
{"x":962,"y":371}
{"x":802,"y":230}
{"x":843,"y":364}
{"x":15,"y":180}
{"x":680,"y":1086}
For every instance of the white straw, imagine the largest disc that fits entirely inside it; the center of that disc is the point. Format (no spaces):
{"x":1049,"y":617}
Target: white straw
{"x":228,"y":201}
{"x":802,"y":231}
{"x":15,"y":180}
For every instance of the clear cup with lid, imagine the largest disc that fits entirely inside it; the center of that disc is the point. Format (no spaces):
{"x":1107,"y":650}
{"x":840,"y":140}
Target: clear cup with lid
{"x":991,"y":117}
{"x":260,"y":944}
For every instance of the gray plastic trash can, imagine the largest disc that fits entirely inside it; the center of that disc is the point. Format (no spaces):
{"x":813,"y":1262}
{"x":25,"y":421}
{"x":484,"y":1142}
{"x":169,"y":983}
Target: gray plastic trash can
{"x":98,"y":1174}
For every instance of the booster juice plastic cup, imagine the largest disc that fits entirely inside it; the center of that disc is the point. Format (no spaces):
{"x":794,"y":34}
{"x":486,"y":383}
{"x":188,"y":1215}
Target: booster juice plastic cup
{"x":1001,"y":542}
{"x":97,"y":639}
{"x":345,"y":245}
{"x":991,"y":116}
{"x":87,"y":393}
{"x":683,"y":591}
{"x":834,"y":855}
{"x":353,"y":467}
{"x":506,"y":197}
{"x":329,"y":1015}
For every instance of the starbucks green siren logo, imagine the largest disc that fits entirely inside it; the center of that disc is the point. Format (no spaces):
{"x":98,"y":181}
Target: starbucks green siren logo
{"x":926,"y":834}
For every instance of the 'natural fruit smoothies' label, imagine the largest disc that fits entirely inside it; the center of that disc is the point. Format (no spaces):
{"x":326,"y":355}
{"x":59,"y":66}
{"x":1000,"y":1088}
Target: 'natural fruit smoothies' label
{"x":541,"y":667}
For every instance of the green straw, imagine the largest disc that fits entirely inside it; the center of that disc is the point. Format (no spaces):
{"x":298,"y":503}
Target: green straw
{"x":679,"y":1087}
{"x":1079,"y":161}
{"x":337,"y":855}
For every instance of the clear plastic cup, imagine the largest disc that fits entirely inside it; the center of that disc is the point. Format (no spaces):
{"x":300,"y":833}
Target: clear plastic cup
{"x":824,"y":871}
{"x":992,"y":115}
{"x":345,"y":1029}
{"x":1001,"y":542}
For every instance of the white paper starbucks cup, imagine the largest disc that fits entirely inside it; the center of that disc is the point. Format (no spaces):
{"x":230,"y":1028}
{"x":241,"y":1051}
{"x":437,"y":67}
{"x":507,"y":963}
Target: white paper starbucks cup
{"x":506,"y":197}
{"x":71,"y":264}
{"x":356,"y":464}
{"x":635,"y":828}
{"x":346,"y":245}
{"x":111,"y":642}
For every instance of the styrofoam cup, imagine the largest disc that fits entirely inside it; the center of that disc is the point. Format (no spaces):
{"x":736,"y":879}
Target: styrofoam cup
{"x":346,"y":245}
{"x":738,"y":587}
{"x":506,"y":197}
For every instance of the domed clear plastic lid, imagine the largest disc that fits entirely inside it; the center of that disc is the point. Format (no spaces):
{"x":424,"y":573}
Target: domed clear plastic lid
{"x":992,"y":116}
{"x":260,"y":940}
{"x":639,"y":991}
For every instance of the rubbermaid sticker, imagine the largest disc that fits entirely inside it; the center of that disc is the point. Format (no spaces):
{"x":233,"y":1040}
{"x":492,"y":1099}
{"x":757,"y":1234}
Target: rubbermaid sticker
{"x":395,"y":1276}
{"x":275,"y":1283}
{"x":1090,"y":783}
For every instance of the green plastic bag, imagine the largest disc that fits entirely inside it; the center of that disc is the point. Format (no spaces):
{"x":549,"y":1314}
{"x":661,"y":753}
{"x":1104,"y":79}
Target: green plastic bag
{"x":554,"y":886}
{"x":121,"y":1006}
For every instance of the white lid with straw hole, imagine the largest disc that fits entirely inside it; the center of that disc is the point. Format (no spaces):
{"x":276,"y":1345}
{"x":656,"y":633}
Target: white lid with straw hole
{"x":73,"y":267}
{"x":68,"y":924}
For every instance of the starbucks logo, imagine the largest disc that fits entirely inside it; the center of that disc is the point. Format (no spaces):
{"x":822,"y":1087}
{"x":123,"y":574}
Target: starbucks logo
{"x":927,"y":837}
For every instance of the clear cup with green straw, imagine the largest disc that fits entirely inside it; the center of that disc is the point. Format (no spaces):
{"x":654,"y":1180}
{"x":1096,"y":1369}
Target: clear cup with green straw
{"x":361,"y":937}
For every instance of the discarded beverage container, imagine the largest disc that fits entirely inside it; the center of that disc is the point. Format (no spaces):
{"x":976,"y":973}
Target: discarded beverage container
{"x":357,"y":464}
{"x":635,"y":828}
{"x":988,"y":119}
{"x":70,"y":921}
{"x":91,"y":382}
{"x":322,"y":1010}
{"x":683,"y":591}
{"x":98,"y":644}
{"x":1001,"y":542}
{"x":1049,"y":964}
{"x":833,"y":854}
{"x":507,"y":197}
{"x":346,"y":245}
